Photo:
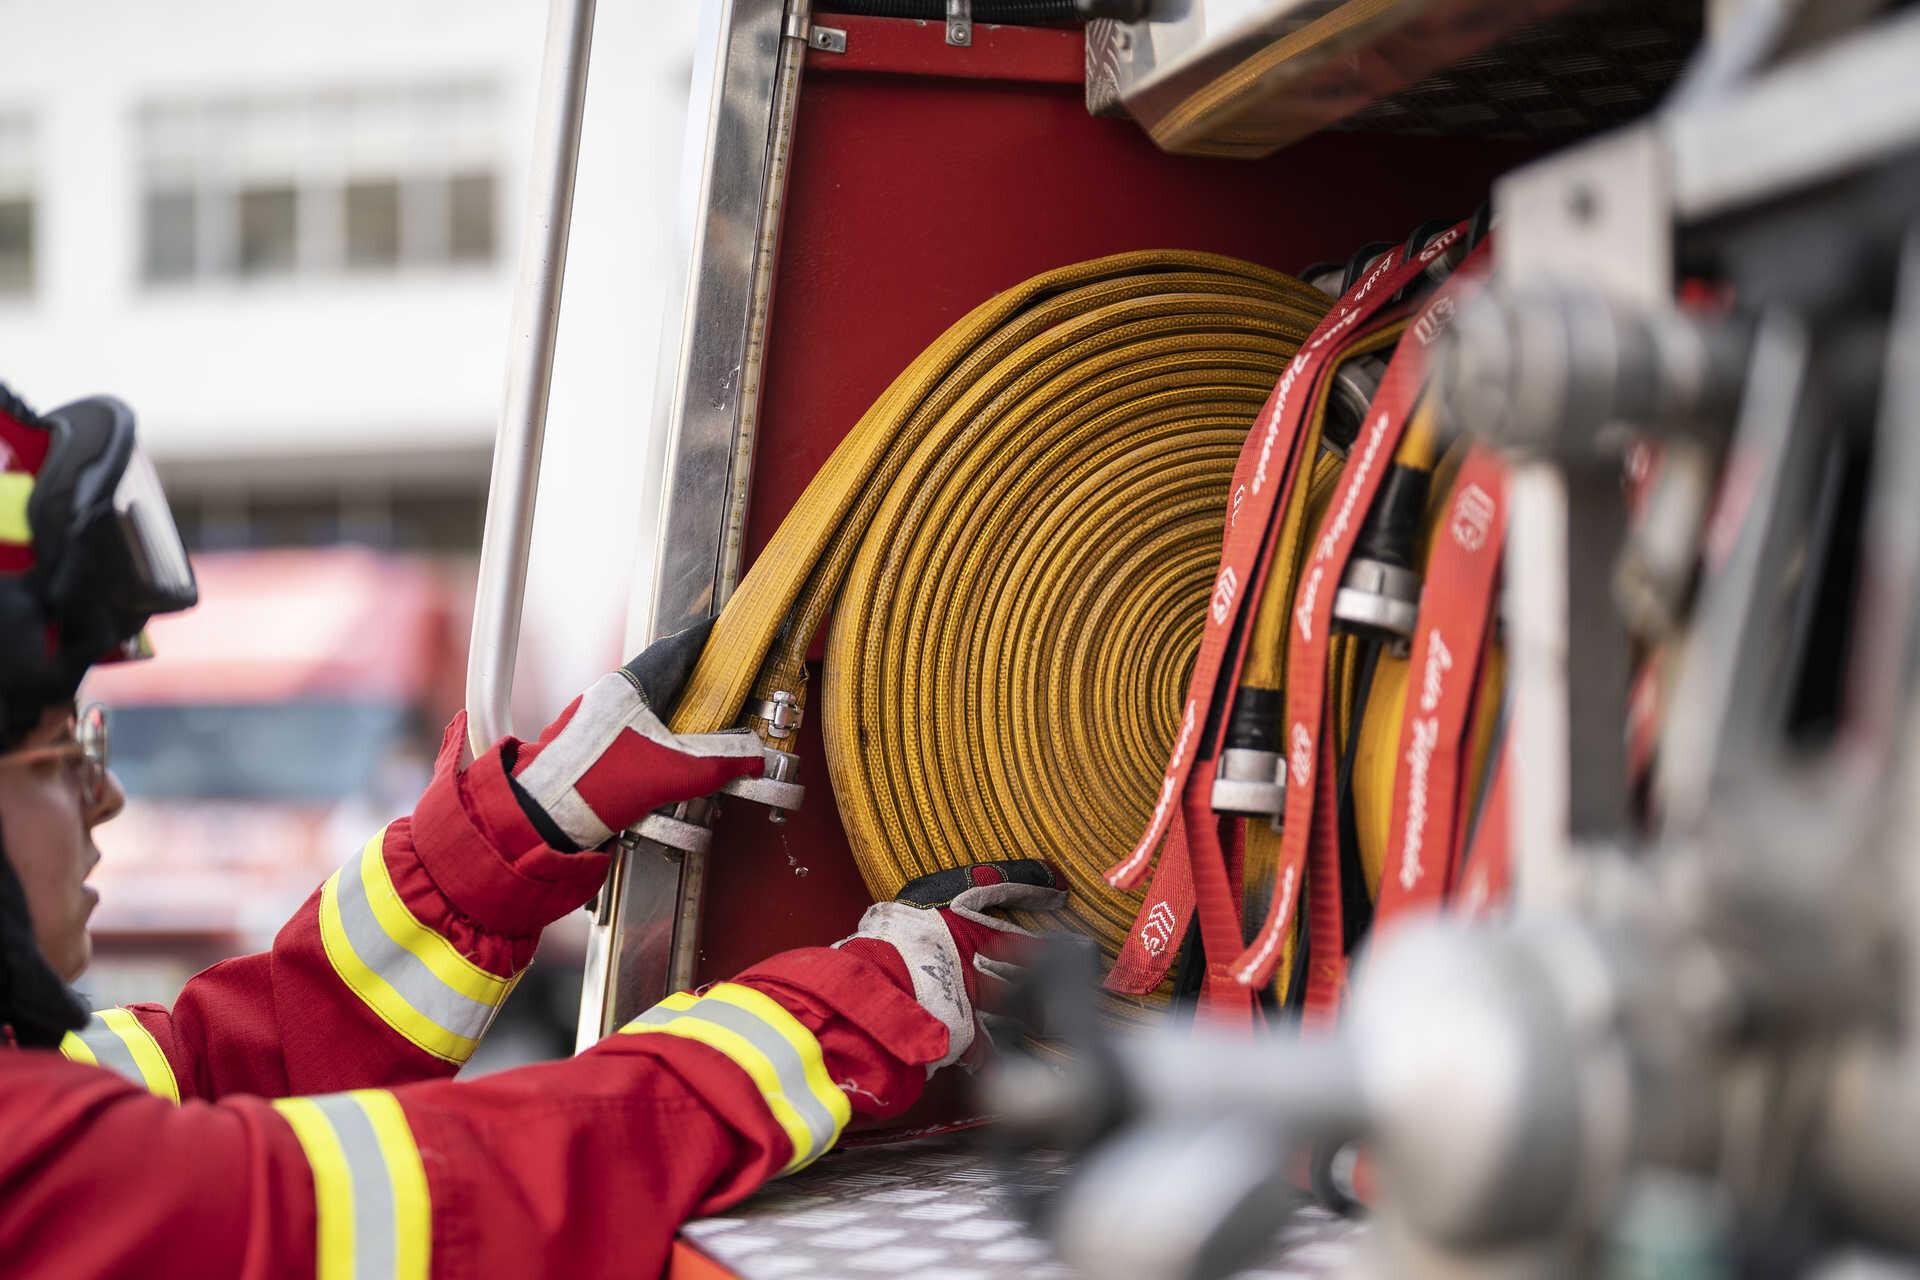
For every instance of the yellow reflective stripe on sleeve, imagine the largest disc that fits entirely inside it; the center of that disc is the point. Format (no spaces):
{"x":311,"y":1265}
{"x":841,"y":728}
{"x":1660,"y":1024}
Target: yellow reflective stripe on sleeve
{"x":73,"y":1047}
{"x":371,"y":1207}
{"x":15,"y":488}
{"x":779,"y":1054}
{"x":114,"y":1039}
{"x":332,"y":1187}
{"x":155,"y":1071}
{"x":442,"y":958}
{"x":805,"y":1047}
{"x":417,"y":981}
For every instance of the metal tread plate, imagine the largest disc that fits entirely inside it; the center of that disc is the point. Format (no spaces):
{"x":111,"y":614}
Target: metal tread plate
{"x":1583,"y":71}
{"x":1245,"y":77}
{"x":940,"y":1209}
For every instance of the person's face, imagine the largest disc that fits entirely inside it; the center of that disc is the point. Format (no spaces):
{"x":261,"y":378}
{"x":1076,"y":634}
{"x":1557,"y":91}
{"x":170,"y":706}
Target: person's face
{"x":47,"y":825}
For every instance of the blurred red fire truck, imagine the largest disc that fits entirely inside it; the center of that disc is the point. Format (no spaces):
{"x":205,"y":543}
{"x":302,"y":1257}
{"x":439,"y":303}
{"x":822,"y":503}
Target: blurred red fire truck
{"x":291,"y":713}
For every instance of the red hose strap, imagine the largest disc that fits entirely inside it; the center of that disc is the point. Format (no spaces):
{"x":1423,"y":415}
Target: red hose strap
{"x":1367,"y":463}
{"x":1269,"y":467}
{"x":1456,"y":618}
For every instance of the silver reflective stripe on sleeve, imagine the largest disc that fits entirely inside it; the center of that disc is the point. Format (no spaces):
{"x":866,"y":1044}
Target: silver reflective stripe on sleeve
{"x":114,"y":1039}
{"x":372,"y":1211}
{"x":771,"y":1046}
{"x":418,"y":982}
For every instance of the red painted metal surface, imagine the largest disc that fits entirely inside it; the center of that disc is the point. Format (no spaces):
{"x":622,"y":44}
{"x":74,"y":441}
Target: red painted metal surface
{"x":911,"y":199}
{"x":1052,"y":55}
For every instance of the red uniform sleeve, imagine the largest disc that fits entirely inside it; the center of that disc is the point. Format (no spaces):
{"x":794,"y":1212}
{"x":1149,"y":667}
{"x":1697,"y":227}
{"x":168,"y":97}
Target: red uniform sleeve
{"x":388,"y":974}
{"x":585,"y":1167}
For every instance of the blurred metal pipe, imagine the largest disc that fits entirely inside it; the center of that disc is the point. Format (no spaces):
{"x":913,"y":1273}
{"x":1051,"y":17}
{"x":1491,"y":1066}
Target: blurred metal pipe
{"x":501,"y":590}
{"x":1865,"y":1151}
{"x":1535,"y":605}
{"x":1308,"y":1084}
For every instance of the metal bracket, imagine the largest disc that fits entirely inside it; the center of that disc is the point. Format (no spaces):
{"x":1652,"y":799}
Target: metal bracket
{"x":800,"y":26}
{"x":960,"y":22}
{"x":672,"y":831}
{"x":1599,"y":214}
{"x":777,"y":789}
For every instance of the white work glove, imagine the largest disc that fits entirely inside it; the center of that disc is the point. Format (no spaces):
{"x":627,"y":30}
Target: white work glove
{"x":959,"y":957}
{"x":608,"y":760}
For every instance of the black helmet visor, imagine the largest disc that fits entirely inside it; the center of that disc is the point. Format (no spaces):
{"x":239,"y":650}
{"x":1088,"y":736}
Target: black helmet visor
{"x":103,"y":535}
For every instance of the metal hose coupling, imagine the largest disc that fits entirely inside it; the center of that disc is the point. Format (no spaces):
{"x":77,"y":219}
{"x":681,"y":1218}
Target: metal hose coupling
{"x":1380,"y":591}
{"x":1354,"y":385}
{"x":1251,"y":780}
{"x":778,"y":719}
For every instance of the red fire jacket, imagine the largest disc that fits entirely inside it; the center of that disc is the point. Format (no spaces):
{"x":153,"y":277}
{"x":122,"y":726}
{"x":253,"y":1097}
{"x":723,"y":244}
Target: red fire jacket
{"x":226,"y":1163}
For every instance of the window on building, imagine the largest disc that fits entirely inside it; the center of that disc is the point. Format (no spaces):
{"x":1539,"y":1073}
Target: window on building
{"x":268,"y":222}
{"x":470,"y":223}
{"x":169,"y":235}
{"x":373,"y":223}
{"x":443,"y":516}
{"x":368,"y":181}
{"x":17,"y":213}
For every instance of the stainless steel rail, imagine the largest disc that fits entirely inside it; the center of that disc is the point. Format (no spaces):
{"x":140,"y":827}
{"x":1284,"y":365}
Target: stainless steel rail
{"x":700,"y":453}
{"x":501,"y":590}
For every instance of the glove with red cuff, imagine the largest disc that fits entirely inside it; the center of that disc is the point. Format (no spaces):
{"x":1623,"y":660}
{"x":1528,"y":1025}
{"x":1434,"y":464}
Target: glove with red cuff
{"x":609,"y":759}
{"x":959,"y":957}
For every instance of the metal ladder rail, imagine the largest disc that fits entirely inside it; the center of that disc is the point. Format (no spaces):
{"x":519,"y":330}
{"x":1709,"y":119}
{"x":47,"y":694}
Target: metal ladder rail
{"x":500,"y":591}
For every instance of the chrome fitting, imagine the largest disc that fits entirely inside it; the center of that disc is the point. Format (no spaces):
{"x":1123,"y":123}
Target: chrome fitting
{"x":782,"y":713}
{"x":1251,"y":782}
{"x":777,"y":788}
{"x":1377,"y":596}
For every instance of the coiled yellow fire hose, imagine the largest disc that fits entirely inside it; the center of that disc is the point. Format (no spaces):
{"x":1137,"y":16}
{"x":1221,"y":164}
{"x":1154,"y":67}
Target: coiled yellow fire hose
{"x":1016,"y":543}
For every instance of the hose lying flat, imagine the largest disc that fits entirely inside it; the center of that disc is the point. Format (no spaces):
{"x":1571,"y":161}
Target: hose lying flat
{"x":1015,"y":545}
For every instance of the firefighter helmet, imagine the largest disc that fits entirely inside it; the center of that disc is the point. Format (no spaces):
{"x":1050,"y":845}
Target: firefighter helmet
{"x":88,"y":550}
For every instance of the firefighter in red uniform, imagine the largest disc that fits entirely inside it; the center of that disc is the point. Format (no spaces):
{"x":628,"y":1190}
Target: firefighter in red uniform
{"x":293,"y":1113}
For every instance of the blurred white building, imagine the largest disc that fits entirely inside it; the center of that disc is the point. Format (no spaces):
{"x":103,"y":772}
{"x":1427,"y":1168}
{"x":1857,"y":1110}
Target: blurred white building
{"x":287,"y":234}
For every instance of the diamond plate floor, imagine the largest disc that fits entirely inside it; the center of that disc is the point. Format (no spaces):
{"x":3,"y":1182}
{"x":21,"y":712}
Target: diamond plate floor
{"x":937,"y":1209}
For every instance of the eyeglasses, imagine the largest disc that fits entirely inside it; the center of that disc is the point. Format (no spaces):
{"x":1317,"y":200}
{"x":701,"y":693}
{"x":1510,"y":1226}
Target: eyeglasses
{"x":89,"y":743}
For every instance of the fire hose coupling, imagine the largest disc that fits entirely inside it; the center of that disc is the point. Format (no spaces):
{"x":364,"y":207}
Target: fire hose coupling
{"x":1251,"y":783}
{"x":1354,"y":385}
{"x":778,"y":788}
{"x":782,"y":713}
{"x":1252,"y":777}
{"x":1380,"y":591}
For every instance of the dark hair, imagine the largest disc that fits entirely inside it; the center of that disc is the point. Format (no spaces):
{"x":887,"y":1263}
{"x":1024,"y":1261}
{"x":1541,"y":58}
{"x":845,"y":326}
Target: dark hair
{"x":20,"y":715}
{"x":35,"y":1005}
